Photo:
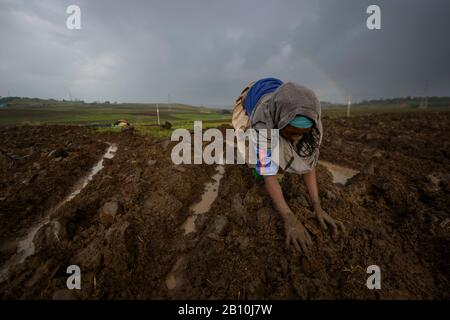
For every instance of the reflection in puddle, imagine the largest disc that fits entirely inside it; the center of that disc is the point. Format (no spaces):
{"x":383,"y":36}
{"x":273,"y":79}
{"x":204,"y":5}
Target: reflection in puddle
{"x":189,"y":224}
{"x":208,"y":197}
{"x":210,"y":194}
{"x":109,"y":154}
{"x":175,"y":277}
{"x":25,"y":246}
{"x":170,"y":281}
{"x":340,"y":174}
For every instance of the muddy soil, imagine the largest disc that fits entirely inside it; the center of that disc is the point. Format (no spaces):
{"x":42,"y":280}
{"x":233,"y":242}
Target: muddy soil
{"x":125,"y":228}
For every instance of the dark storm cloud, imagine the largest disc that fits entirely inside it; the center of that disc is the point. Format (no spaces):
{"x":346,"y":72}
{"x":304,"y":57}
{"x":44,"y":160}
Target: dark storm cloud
{"x":204,"y":52}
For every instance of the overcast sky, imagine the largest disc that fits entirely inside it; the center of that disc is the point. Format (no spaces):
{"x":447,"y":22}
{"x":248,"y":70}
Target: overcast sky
{"x":204,"y":52}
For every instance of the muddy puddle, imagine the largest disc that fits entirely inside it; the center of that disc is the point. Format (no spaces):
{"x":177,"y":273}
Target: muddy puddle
{"x":340,"y":174}
{"x":109,"y":154}
{"x":25,"y":246}
{"x":208,"y":197}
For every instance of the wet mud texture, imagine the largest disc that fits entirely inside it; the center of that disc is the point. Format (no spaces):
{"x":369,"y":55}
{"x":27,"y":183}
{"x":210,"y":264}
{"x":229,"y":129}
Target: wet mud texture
{"x":124,"y":229}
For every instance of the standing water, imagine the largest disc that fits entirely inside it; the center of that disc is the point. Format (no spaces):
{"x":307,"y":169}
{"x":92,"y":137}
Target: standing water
{"x":25,"y":246}
{"x":340,"y":174}
{"x":208,"y":197}
{"x":201,"y":207}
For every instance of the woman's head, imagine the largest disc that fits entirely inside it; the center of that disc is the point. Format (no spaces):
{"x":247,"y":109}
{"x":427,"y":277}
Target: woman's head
{"x":303,"y":134}
{"x":289,"y":102}
{"x":293,"y":134}
{"x":297,"y":128}
{"x":282,"y":112}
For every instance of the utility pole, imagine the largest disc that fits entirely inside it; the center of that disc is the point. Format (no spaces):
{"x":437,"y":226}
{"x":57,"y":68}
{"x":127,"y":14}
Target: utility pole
{"x":349,"y":104}
{"x":157,"y":113}
{"x":168,"y":102}
{"x":424,"y":101}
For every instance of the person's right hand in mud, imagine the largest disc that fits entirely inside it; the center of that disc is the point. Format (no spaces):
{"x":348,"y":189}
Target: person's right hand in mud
{"x":325,"y":219}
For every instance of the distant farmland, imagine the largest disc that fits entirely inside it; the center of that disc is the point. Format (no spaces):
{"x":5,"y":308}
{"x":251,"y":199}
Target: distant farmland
{"x":19,"y":111}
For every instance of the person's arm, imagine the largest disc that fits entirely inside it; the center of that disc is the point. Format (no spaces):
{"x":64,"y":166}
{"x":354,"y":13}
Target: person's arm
{"x":274,"y":189}
{"x":310,"y":179}
{"x":311,"y":184}
{"x":295,"y":231}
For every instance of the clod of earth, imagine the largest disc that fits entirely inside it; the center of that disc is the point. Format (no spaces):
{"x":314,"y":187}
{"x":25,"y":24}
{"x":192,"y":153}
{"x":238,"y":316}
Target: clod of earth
{"x":108,"y":212}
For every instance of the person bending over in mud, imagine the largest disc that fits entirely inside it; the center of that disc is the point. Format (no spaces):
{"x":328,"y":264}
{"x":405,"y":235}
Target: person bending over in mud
{"x":294,"y":110}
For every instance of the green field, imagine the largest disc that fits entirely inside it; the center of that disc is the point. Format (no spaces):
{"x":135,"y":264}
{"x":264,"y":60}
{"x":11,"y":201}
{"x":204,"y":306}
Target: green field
{"x":143,"y":117}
